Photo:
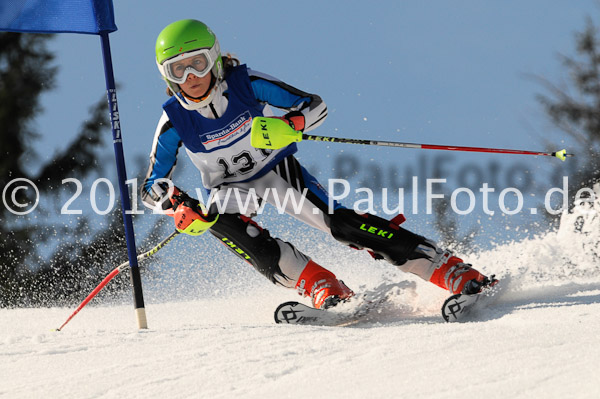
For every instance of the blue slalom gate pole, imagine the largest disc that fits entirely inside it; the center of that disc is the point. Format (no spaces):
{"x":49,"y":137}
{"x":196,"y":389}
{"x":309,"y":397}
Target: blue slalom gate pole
{"x":111,"y":92}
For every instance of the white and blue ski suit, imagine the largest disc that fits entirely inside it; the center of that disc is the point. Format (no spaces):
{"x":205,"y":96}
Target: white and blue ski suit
{"x":217,"y":140}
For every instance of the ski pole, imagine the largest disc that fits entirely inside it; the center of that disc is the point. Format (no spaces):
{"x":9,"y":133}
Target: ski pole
{"x":562,"y":154}
{"x":274,"y":133}
{"x":116,"y":271}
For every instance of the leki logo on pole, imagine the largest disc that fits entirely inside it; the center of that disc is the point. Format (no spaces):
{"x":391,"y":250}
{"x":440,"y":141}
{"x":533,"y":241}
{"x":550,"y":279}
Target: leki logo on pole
{"x":114,"y":116}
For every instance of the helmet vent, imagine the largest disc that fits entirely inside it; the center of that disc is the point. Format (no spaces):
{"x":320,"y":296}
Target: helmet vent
{"x":190,"y":41}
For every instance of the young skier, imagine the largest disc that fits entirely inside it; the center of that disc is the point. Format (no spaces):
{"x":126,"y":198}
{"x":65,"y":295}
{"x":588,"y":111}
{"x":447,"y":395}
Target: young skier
{"x":213,"y":100}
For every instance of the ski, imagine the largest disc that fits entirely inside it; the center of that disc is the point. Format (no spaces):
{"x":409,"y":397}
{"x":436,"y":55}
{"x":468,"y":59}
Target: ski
{"x":296,"y":313}
{"x":456,"y":308}
{"x":363,"y":307}
{"x":459,"y":306}
{"x":357,"y":309}
{"x":293,"y":312}
{"x":378,"y":303}
{"x":463,"y":307}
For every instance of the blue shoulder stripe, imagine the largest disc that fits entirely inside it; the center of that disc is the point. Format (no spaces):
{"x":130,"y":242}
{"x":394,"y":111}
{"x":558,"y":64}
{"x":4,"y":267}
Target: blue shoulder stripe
{"x":165,"y":155}
{"x":276,"y":95}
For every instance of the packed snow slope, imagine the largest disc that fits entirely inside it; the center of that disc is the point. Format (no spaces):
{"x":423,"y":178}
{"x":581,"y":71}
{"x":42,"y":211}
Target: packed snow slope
{"x":539,"y":339}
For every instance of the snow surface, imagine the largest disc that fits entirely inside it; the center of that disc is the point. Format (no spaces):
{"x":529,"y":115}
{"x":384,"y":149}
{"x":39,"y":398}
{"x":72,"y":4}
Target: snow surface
{"x":539,"y":339}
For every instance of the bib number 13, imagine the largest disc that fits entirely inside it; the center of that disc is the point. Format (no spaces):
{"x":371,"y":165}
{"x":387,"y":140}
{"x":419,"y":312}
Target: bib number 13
{"x":242,"y":164}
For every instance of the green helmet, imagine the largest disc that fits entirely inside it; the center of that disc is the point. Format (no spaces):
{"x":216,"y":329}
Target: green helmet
{"x":178,"y":40}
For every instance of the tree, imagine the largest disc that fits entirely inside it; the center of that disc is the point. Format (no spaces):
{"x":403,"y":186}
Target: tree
{"x":446,"y":224}
{"x":20,"y":55}
{"x":74,"y":258}
{"x":575,"y":110}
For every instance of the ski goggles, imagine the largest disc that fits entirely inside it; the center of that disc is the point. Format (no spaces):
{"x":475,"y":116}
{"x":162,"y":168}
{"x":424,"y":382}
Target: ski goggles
{"x":198,"y":62}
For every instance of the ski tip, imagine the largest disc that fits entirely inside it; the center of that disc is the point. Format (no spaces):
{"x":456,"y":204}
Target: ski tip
{"x":446,"y":310}
{"x":281,"y":318}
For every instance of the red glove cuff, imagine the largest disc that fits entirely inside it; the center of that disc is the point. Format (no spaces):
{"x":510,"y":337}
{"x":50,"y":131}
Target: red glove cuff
{"x":295,"y":119}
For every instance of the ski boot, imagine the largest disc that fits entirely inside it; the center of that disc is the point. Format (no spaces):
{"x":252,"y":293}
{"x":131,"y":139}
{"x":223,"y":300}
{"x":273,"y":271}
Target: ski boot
{"x":460,"y":278}
{"x":324,"y":289}
{"x":476,"y":286}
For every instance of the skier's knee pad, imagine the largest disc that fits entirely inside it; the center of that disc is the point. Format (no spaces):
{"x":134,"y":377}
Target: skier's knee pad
{"x":250,"y":242}
{"x":385,"y":239}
